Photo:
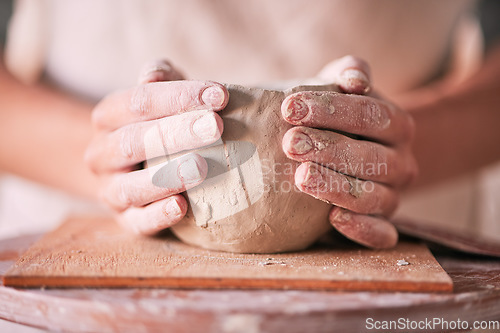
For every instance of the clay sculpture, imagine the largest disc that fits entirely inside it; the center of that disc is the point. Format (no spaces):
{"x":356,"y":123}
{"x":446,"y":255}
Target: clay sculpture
{"x":249,"y":203}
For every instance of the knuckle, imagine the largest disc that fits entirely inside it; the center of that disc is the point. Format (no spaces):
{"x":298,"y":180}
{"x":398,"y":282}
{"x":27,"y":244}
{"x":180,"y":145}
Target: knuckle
{"x":116,"y":194}
{"x":377,"y":155}
{"x":123,"y":195}
{"x":185,"y":100}
{"x":128,"y":142}
{"x":169,"y":141}
{"x":340,"y":156}
{"x":377,"y":163}
{"x":139,"y":100}
{"x":370,"y":115}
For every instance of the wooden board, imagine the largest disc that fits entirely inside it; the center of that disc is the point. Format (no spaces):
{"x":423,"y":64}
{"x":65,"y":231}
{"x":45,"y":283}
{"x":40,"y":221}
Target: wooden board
{"x":475,"y":297}
{"x":95,"y":252}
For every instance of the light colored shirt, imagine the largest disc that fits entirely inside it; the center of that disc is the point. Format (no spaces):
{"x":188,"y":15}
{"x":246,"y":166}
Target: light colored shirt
{"x":93,"y":47}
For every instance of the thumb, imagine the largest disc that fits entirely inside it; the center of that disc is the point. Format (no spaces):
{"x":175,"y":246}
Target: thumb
{"x":159,"y":70}
{"x":350,"y":73}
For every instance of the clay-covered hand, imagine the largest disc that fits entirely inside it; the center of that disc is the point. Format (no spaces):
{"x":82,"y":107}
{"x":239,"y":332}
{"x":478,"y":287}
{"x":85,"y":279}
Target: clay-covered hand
{"x":355,"y":152}
{"x":154,"y":119}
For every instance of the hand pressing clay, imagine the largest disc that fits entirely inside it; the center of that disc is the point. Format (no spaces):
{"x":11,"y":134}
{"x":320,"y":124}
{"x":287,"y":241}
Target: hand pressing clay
{"x":248,"y":202}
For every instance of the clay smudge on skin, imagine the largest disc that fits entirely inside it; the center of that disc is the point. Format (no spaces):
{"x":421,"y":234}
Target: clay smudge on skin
{"x":296,"y":110}
{"x":376,"y":115}
{"x":342,"y":216}
{"x":355,"y":78}
{"x":300,"y":143}
{"x":328,"y":100}
{"x":355,"y":190}
{"x":320,"y":145}
{"x":330,"y":109}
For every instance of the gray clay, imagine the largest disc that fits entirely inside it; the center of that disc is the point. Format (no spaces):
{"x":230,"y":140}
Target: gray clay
{"x":249,"y":202}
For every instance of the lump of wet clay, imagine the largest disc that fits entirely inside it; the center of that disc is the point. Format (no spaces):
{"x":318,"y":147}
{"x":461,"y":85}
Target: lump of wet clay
{"x":248,"y":202}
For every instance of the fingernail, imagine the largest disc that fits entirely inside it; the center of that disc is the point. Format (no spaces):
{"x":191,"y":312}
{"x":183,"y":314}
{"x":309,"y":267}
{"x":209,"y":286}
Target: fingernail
{"x":158,"y":70}
{"x":172,"y":208}
{"x":154,"y":75}
{"x":341,"y":216}
{"x":189,"y":171}
{"x":355,"y":79}
{"x":205,"y":127}
{"x":213,"y":96}
{"x":296,"y":109}
{"x":313,"y":178}
{"x":300,"y":143}
{"x":354,"y":74}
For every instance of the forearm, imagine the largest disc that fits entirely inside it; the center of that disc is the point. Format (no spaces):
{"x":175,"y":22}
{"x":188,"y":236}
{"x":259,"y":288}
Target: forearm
{"x":43,"y":136}
{"x":458,"y":127}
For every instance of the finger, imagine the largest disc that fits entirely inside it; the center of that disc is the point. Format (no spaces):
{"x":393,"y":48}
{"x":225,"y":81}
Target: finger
{"x":364,"y":197}
{"x":154,"y":217}
{"x":157,"y":100}
{"x":361,"y":159}
{"x":371,"y":231}
{"x":159,"y":70}
{"x":362,"y":115}
{"x":138,"y":142}
{"x":351,"y":74}
{"x":139,"y":188}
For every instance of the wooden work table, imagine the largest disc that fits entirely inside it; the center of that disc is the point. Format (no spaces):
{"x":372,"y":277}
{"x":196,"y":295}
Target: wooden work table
{"x":476,"y":296}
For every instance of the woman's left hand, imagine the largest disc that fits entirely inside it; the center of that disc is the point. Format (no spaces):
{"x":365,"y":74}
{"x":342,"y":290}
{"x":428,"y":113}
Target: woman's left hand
{"x":355,"y":152}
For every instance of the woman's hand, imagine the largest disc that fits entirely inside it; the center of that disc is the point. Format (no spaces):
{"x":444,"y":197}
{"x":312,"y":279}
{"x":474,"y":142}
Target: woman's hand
{"x":355,"y":152}
{"x":150,"y":120}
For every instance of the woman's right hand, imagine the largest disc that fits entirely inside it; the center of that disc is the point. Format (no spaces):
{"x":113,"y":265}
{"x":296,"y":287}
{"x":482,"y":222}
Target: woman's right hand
{"x":153,"y":119}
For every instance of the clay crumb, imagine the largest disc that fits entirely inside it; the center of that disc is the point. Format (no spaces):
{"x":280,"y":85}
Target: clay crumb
{"x":320,"y":145}
{"x":271,"y":261}
{"x":402,"y":262}
{"x":355,"y":190}
{"x":330,"y":109}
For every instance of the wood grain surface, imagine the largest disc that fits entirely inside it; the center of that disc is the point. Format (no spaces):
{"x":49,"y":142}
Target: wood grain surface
{"x":475,"y":296}
{"x":95,"y":252}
